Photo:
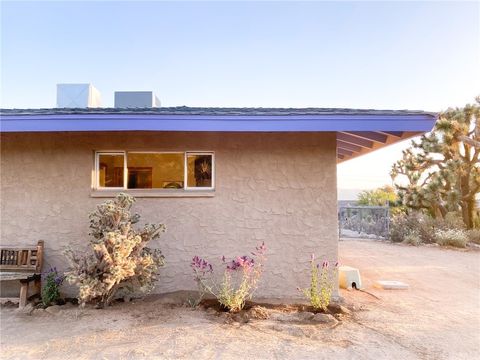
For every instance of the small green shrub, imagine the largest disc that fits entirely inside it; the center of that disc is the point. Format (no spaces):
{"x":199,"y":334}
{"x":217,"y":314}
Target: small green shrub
{"x":322,"y":282}
{"x":51,"y":286}
{"x":452,"y":237}
{"x":474,"y":236}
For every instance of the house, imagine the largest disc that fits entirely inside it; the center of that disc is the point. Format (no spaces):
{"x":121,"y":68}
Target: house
{"x":221,"y":179}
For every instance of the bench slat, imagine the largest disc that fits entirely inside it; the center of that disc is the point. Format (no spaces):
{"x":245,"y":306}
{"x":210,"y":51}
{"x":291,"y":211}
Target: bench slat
{"x":16,"y":248}
{"x":23,"y":258}
{"x":15,"y":275}
{"x":19,"y":268}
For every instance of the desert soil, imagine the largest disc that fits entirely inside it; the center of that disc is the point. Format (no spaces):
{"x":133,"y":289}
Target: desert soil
{"x":437,"y":318}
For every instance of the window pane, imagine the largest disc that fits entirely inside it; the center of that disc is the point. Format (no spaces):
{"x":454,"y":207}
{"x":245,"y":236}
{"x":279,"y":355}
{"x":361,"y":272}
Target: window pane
{"x":199,"y":170}
{"x":155,"y":171}
{"x":110,"y":170}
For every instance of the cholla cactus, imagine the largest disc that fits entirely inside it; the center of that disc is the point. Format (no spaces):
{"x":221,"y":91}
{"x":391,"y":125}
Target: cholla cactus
{"x":120,"y":260}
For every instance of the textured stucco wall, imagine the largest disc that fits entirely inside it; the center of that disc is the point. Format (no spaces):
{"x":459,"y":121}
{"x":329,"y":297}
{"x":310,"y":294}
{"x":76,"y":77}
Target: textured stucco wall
{"x":277,"y":188}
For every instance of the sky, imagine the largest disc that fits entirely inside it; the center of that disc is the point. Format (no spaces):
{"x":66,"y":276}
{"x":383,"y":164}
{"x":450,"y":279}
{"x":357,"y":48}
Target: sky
{"x":382,"y":55}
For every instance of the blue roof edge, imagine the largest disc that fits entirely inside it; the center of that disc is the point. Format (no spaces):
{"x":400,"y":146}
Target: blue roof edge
{"x":291,"y":122}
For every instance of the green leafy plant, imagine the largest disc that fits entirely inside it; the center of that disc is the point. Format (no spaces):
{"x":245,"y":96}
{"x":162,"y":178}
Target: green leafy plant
{"x":378,"y":197}
{"x":239,"y":282}
{"x":322,"y":283}
{"x":120,"y":262}
{"x":52,"y":281}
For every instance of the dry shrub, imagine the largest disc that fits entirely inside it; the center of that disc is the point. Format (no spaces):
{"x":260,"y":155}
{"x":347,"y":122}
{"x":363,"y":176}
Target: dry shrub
{"x":474,"y":236}
{"x":120,"y":261}
{"x":259,"y":312}
{"x":453,"y":220}
{"x":415,"y":228}
{"x":416,"y":223}
{"x":412,"y":239}
{"x":452,"y":237}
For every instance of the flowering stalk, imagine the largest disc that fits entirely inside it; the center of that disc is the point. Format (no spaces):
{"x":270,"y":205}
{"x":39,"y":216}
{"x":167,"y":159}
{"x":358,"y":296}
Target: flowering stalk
{"x":322,"y":280}
{"x":202,"y":270}
{"x":239,"y":282}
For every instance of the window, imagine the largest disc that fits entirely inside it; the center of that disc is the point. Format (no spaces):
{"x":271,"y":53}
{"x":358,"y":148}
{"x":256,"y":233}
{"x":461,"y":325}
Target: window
{"x":154,"y":170}
{"x":199,"y":170}
{"x":111,"y":169}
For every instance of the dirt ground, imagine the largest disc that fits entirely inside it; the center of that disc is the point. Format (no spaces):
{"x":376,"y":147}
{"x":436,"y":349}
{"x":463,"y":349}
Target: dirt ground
{"x":437,"y":318}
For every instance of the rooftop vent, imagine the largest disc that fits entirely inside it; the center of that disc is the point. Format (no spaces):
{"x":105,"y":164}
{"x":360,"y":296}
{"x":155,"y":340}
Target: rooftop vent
{"x":136,"y":99}
{"x":78,"y":96}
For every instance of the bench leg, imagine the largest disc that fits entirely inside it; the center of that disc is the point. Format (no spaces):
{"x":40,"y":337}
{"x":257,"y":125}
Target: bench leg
{"x":37,"y":285}
{"x":23,"y":294}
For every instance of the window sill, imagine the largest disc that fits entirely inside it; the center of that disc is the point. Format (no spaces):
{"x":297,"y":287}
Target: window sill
{"x":157,"y":193}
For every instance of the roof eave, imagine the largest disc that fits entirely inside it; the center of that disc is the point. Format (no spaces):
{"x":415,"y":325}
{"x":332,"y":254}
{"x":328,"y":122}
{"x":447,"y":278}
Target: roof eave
{"x":357,"y":134}
{"x":243,"y":123}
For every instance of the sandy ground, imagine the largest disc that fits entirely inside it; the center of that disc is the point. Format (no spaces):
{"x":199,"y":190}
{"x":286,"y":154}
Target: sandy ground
{"x":437,"y":318}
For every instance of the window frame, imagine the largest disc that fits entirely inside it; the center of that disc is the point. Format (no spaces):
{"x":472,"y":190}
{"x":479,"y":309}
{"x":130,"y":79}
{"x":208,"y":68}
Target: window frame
{"x":199,"y":188}
{"x":124,"y":153}
{"x":97,"y":169}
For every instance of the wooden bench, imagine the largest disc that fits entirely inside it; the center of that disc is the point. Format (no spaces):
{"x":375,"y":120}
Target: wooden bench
{"x":23,"y":264}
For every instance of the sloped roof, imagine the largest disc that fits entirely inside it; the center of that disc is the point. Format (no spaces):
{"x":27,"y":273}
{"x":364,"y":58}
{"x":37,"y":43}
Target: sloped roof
{"x":214,"y":111}
{"x":359,"y":131}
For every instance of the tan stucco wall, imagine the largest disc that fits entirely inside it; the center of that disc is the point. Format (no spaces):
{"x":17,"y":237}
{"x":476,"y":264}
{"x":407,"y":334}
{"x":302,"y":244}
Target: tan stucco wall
{"x":277,"y":188}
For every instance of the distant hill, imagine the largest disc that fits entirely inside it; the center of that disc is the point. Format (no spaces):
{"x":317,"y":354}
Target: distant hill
{"x":345,"y":203}
{"x":348,"y":194}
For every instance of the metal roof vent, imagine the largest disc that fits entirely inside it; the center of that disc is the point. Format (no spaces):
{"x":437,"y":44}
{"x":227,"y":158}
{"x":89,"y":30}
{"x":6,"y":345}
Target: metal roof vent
{"x":78,"y":96}
{"x":136,"y":99}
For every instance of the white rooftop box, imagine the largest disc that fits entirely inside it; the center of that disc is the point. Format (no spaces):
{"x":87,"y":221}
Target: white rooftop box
{"x":78,"y":96}
{"x":136,"y":99}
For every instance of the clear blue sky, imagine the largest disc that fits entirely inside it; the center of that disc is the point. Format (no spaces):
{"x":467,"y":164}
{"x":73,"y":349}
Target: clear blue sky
{"x":415,"y":55}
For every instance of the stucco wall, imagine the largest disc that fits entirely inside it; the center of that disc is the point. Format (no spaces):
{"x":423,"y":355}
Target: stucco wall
{"x":277,"y":188}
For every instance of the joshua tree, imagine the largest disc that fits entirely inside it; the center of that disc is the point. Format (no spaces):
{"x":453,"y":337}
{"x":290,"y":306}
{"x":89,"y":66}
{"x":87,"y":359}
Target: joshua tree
{"x":442,"y":169}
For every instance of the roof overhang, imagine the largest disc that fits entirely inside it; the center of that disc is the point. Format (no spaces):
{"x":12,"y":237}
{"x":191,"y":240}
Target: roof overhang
{"x":357,"y":133}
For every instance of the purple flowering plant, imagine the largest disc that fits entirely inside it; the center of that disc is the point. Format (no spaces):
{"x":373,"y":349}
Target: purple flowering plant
{"x":52,"y":281}
{"x":322,"y":282}
{"x":239,"y":281}
{"x":241,"y":262}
